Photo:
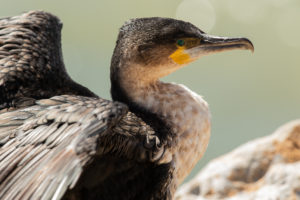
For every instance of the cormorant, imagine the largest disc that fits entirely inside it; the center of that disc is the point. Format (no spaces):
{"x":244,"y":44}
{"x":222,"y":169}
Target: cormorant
{"x":59,"y":140}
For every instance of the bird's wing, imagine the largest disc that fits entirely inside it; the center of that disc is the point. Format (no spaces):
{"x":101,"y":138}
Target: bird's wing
{"x":46,"y":146}
{"x":31,"y":63}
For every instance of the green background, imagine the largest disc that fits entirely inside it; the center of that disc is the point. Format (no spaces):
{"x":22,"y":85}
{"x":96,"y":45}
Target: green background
{"x":250,"y":95}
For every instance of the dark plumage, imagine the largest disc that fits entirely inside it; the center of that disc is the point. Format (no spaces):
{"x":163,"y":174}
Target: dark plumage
{"x":58,"y":140}
{"x":31,"y":59}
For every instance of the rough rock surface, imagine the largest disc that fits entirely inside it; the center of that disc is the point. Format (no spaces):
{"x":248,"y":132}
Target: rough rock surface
{"x":264,"y":169}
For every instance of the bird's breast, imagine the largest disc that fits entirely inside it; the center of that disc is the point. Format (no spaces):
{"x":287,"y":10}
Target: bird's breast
{"x":188,"y":116}
{"x":191,"y":121}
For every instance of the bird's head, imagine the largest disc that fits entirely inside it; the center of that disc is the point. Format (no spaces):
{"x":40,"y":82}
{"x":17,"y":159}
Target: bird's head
{"x":150,"y":48}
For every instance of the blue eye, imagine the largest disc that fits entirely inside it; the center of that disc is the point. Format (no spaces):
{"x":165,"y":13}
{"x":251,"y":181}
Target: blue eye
{"x":180,"y":42}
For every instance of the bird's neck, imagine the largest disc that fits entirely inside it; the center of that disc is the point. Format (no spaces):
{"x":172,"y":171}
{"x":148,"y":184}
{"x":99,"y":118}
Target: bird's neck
{"x":185,"y":112}
{"x":174,"y":103}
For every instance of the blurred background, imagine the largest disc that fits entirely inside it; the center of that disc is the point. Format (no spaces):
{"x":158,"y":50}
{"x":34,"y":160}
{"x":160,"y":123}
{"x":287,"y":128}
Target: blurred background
{"x":250,"y":95}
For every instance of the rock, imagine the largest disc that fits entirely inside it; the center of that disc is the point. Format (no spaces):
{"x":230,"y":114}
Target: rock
{"x":266,"y":168}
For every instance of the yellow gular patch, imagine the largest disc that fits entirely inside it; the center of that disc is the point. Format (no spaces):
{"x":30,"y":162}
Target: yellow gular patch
{"x":180,"y":57}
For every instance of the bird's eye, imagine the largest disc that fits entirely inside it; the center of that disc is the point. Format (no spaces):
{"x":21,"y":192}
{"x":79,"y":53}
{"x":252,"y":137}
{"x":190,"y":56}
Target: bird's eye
{"x":180,"y":42}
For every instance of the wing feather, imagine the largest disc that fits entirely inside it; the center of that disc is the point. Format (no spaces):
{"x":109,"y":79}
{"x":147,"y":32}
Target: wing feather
{"x":46,"y":154}
{"x":31,"y":63}
{"x":30,"y":54}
